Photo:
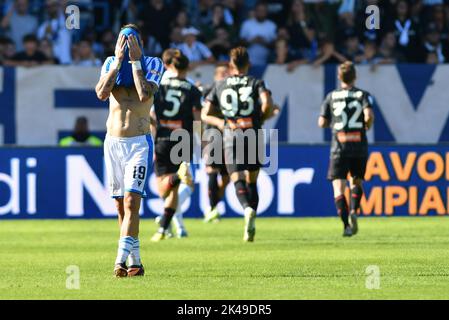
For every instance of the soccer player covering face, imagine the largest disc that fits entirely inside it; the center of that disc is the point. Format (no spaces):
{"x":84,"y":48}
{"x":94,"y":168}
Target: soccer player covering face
{"x":245,"y":103}
{"x":216,"y":186}
{"x":177,"y":105}
{"x":130,"y":81}
{"x":348,"y":111}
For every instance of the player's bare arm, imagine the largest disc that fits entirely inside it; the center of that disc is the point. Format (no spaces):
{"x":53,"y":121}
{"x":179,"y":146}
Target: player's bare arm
{"x":208,"y":115}
{"x":106,"y":83}
{"x":268,"y":108}
{"x":145,"y":89}
{"x":368,"y":114}
{"x":323,"y":122}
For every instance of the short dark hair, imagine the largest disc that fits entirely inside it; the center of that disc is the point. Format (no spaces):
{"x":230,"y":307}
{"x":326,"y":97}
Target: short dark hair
{"x":180,"y":61}
{"x":346,"y":72}
{"x":29,"y":38}
{"x":132,"y":26}
{"x":239,"y":57}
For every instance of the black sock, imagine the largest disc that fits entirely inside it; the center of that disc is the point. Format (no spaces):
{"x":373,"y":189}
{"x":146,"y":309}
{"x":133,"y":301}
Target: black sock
{"x":356,"y":197}
{"x":213,"y":189}
{"x":166,"y":218}
{"x":242,"y":193}
{"x":253,"y":195}
{"x":342,"y":209}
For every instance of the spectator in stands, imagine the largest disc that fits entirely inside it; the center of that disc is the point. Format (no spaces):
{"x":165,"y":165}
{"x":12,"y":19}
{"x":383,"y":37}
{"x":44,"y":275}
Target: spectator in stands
{"x":54,"y":29}
{"x":432,"y":49}
{"x":368,"y":55}
{"x":406,"y":31}
{"x":47,"y":49}
{"x":197,"y":52}
{"x":328,"y":53}
{"x":85,"y":56}
{"x":19,"y":22}
{"x":176,"y":37}
{"x":181,"y":20}
{"x":106,"y":46}
{"x":284,"y":55}
{"x":233,"y":9}
{"x":204,"y":14}
{"x":324,"y":18}
{"x":388,"y":52}
{"x":441,"y":22}
{"x":301,"y":30}
{"x":221,"y":44}
{"x":81,"y":136}
{"x":30,"y":56}
{"x":259,"y":33}
{"x":7,"y":49}
{"x":218,"y":22}
{"x":154,"y":20}
{"x":352,"y":46}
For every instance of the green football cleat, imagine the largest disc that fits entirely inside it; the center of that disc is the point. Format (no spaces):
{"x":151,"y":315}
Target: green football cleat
{"x":211,"y":215}
{"x":158,"y":237}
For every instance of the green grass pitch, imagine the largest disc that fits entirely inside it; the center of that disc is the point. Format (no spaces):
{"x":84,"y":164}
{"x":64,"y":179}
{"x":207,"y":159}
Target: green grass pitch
{"x":291,"y":259}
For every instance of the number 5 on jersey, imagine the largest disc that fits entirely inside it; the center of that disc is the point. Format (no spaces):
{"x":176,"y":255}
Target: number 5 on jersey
{"x":173,"y":96}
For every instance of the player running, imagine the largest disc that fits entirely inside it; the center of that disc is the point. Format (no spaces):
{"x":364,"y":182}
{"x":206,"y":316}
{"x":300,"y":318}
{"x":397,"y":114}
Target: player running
{"x":184,"y":190}
{"x":216,"y":187}
{"x":176,"y":106}
{"x":245,"y":103}
{"x":348,"y":111}
{"x":130,"y":81}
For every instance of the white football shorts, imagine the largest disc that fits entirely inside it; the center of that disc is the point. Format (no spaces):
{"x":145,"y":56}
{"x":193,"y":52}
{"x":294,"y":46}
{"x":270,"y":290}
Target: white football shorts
{"x":128,"y":162}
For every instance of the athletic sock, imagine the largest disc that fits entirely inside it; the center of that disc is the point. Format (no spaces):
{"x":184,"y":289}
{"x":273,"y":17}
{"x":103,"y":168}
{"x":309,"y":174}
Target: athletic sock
{"x":184,"y":193}
{"x":356,"y":197}
{"x":213,"y":189}
{"x":253,"y":195}
{"x":134,"y":256}
{"x":242,"y":193}
{"x":166,"y":219}
{"x":125,"y":245}
{"x":342,"y":209}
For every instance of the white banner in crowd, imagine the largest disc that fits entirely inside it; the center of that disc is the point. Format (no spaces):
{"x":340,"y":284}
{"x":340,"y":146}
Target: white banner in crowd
{"x":39,"y":120}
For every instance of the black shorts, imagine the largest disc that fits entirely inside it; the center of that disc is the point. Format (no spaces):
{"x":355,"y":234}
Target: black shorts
{"x":162,"y":162}
{"x":339,"y":167}
{"x":242,"y":155}
{"x":220,"y":167}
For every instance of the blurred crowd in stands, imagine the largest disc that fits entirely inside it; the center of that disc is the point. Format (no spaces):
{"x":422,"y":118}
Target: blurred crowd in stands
{"x":288,"y":32}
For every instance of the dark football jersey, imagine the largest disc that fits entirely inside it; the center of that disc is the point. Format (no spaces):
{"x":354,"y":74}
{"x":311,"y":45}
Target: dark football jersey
{"x":238,"y":99}
{"x":174,"y":106}
{"x":344,"y":109}
{"x":206,"y":91}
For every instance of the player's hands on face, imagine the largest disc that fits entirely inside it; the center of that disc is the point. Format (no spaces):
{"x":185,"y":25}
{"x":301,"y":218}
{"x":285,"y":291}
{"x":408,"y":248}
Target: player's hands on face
{"x":135,"y":53}
{"x":120,"y":47}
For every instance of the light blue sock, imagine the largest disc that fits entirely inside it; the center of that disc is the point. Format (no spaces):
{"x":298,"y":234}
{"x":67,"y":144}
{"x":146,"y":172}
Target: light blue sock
{"x":184,"y":192}
{"x":134,"y":256}
{"x":125,"y":245}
